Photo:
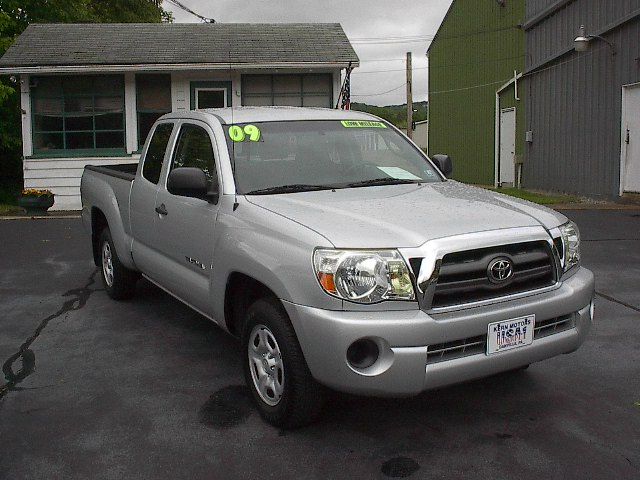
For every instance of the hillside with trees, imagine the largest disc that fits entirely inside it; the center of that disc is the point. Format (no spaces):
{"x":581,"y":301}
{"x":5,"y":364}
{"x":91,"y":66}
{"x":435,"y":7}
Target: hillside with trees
{"x":396,"y":114}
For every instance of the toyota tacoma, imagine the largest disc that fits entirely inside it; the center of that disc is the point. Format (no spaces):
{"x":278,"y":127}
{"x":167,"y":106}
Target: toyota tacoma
{"x":339,"y":254}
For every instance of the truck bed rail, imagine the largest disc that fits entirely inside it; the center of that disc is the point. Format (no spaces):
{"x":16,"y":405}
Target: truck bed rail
{"x":125,"y":171}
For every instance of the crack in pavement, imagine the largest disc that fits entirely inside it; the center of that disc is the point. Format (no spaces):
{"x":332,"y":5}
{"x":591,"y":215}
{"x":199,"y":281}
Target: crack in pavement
{"x":79,"y":298}
{"x":619,"y":302}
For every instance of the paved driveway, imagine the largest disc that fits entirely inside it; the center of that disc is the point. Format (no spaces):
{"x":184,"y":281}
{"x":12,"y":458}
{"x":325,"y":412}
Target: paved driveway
{"x":149,"y":389}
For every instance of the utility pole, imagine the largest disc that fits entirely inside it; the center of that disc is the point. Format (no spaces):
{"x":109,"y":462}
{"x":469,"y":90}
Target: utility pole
{"x":409,"y":97}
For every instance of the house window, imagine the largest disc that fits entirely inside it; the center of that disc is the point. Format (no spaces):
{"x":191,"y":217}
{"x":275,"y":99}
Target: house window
{"x":153,"y":98}
{"x":80,"y":113}
{"x":307,"y":90}
{"x":210,"y":98}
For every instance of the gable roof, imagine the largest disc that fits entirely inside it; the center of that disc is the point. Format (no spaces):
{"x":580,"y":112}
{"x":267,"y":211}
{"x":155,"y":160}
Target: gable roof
{"x":46,"y":45}
{"x":444,"y":19}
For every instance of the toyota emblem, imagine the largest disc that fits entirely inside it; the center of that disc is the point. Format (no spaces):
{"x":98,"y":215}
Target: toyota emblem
{"x":500,"y":270}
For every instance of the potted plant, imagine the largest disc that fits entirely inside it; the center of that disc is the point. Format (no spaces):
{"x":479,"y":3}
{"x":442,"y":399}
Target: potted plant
{"x":36,"y":202}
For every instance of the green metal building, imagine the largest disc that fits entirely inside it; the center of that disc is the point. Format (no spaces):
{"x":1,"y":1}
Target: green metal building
{"x":475,"y":114}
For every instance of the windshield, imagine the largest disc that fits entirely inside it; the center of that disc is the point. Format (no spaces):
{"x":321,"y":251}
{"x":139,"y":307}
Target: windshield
{"x":281,"y":157}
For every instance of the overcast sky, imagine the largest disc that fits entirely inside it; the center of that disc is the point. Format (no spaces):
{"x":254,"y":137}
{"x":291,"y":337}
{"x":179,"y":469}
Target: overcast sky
{"x":361,"y":19}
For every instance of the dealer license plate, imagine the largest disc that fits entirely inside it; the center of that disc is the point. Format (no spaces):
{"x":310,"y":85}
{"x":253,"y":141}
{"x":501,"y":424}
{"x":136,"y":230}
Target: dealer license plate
{"x":510,"y":334}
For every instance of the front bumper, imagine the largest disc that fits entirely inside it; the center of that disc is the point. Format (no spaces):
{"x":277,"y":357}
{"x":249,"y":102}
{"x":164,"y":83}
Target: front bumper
{"x":405,"y":336}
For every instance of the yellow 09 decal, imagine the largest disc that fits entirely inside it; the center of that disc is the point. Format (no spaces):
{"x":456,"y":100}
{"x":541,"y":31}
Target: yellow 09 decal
{"x":240,"y":134}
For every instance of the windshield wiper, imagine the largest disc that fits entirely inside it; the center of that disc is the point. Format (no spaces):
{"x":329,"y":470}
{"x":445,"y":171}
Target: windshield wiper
{"x":298,"y":187}
{"x":383,"y":181}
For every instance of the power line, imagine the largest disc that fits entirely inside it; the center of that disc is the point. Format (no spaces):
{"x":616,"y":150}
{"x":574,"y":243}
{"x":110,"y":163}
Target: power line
{"x":471,"y":87}
{"x":425,"y":38}
{"x":381,"y":93}
{"x":388,"y":42}
{"x":385,"y":60}
{"x":499,"y":82}
{"x":182,"y":6}
{"x":392,"y":37}
{"x":386,"y":71}
{"x":357,"y":72}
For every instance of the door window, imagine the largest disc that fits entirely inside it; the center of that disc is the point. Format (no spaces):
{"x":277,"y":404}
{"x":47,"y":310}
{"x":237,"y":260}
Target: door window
{"x":194,"y":149}
{"x":155,"y":153}
{"x":210,"y":98}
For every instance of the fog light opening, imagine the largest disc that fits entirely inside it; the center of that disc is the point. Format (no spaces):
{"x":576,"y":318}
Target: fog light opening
{"x":363,"y":353}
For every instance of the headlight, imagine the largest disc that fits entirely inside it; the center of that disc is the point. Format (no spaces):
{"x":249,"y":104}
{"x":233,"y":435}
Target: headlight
{"x":571,"y":244}
{"x":363,"y":276}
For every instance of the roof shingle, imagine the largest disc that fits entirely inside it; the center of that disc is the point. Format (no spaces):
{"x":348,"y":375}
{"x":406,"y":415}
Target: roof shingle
{"x":150,"y":44}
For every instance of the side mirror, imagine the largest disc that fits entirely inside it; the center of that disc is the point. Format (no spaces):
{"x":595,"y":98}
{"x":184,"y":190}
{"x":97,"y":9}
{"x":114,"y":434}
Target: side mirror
{"x":188,"y":182}
{"x":444,"y":164}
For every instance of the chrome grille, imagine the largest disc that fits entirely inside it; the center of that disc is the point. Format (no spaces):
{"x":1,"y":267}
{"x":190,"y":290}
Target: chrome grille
{"x":463,"y":275}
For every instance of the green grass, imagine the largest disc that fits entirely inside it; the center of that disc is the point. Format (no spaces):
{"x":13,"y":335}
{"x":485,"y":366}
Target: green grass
{"x":539,"y":198}
{"x":9,"y":193}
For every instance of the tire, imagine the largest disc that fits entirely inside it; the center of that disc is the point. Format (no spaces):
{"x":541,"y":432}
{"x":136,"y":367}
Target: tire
{"x":119,"y":282}
{"x":296,"y":399}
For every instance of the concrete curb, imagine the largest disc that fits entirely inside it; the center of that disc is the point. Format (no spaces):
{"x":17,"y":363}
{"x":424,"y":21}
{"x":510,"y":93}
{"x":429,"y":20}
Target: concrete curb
{"x":592,"y":206}
{"x":47,"y":217}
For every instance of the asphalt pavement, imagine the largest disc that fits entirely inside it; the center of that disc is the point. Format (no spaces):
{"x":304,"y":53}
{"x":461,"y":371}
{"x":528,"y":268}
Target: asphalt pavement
{"x":149,"y":389}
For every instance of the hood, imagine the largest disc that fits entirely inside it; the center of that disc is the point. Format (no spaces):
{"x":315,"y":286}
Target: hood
{"x":397,"y":216}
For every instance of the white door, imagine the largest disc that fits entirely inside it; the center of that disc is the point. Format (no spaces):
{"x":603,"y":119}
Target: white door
{"x":507,"y":145}
{"x":631,"y":140}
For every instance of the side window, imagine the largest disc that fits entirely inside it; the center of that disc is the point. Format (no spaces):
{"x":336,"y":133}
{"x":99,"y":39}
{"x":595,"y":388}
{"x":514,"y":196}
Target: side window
{"x":194,"y":149}
{"x":155,"y":153}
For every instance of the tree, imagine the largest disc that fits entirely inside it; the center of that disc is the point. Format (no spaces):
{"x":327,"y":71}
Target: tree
{"x":16,"y":15}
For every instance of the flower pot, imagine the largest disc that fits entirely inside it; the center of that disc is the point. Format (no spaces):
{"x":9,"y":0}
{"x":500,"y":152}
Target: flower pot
{"x":36,"y":206}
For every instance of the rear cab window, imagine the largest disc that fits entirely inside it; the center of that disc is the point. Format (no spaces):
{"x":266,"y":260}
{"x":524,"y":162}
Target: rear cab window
{"x":155,"y":153}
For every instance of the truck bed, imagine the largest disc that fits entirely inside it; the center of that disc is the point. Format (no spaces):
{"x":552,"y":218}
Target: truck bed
{"x":125,"y":171}
{"x":107,"y":189}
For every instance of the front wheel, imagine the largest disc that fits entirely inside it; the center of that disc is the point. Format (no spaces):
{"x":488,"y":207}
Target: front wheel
{"x":275,"y":370}
{"x":119,"y":282}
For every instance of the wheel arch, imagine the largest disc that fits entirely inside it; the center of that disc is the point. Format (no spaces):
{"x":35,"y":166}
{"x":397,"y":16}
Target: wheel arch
{"x":101,"y":219}
{"x":241,"y":292}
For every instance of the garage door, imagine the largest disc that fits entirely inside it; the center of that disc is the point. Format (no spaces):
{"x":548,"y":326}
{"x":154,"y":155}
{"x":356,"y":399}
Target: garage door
{"x":307,"y":90}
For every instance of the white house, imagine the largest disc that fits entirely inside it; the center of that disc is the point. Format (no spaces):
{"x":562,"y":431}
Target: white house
{"x":91,"y":92}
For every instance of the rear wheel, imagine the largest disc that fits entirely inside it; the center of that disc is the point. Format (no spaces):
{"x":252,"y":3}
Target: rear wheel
{"x":119,"y":282}
{"x":275,"y":370}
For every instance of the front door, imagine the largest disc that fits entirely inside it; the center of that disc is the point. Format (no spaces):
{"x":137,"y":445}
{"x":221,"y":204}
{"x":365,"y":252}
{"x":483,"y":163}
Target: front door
{"x":184,"y":232}
{"x":507,"y":146}
{"x":143,"y":201}
{"x":631,"y":140}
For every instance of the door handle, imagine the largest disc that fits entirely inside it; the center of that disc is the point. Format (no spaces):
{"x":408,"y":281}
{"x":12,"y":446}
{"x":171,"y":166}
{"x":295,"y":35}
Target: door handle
{"x":162,"y":210}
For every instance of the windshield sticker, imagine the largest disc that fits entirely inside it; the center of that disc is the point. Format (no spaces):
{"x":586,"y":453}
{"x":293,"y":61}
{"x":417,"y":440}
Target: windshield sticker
{"x":240,"y":134}
{"x":399,"y":173}
{"x":362,"y":124}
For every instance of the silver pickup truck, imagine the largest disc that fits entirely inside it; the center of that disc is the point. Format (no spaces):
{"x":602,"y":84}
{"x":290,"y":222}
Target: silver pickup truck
{"x":338,"y":253}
